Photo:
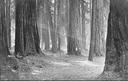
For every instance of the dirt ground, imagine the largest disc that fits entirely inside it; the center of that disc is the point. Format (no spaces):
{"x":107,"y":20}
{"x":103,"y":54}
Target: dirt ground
{"x":60,"y":67}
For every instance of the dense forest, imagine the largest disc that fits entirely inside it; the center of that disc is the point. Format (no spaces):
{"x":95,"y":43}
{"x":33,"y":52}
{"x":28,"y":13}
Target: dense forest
{"x":63,"y":39}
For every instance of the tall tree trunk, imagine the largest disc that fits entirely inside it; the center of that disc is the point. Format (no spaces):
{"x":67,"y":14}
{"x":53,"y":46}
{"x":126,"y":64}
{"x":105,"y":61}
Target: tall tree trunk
{"x":67,"y":23}
{"x":43,"y":24}
{"x":99,"y":39}
{"x":3,"y":29}
{"x":27,"y":37}
{"x":19,"y":37}
{"x":62,"y":23}
{"x":54,"y":29}
{"x":39,"y":18}
{"x":98,"y":34}
{"x":83,"y":26}
{"x":105,"y":17}
{"x":117,"y":39}
{"x":8,"y":23}
{"x":59,"y":20}
{"x":46,"y":28}
{"x":5,"y":68}
{"x":73,"y":40}
{"x":93,"y":30}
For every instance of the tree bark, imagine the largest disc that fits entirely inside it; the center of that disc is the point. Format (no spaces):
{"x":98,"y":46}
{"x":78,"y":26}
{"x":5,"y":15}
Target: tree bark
{"x":54,"y":29}
{"x":62,"y":23}
{"x":117,"y":39}
{"x":93,"y":30}
{"x":99,"y":39}
{"x":5,"y":61}
{"x":39,"y":19}
{"x":46,"y":27}
{"x":43,"y":24}
{"x":59,"y":27}
{"x":8,"y":23}
{"x":27,"y":36}
{"x":83,"y":26}
{"x":73,"y":44}
{"x":97,"y":46}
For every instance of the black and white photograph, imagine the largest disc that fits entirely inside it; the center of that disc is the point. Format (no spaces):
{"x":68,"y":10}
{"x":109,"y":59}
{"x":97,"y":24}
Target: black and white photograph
{"x":63,"y":40}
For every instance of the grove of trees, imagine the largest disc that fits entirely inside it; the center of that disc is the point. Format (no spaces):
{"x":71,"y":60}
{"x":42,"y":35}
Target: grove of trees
{"x":71,"y":27}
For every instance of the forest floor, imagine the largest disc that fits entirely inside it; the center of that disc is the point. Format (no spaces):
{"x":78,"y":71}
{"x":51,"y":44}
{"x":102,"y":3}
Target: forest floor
{"x":60,"y":67}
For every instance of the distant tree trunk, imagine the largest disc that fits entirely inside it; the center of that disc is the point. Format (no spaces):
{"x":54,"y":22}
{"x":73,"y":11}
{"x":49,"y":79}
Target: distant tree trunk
{"x":8,"y":23}
{"x":46,"y":27}
{"x":39,"y":18}
{"x":98,"y":34}
{"x":67,"y":23}
{"x":117,"y":39}
{"x":99,"y":25}
{"x":27,"y":37}
{"x":52,"y":26}
{"x":54,"y":29}
{"x":79,"y":30}
{"x":83,"y":25}
{"x":61,"y":25}
{"x":73,"y":45}
{"x":46,"y":37}
{"x":4,"y":51}
{"x":97,"y":30}
{"x":93,"y":30}
{"x":43,"y":24}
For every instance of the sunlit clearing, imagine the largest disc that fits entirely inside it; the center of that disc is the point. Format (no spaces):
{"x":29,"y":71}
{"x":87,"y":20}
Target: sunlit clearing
{"x":61,"y":63}
{"x":84,"y":63}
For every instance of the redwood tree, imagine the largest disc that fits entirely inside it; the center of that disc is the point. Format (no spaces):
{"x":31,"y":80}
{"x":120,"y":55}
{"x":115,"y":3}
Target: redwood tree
{"x":100,"y":29}
{"x":6,"y":63}
{"x":27,"y":37}
{"x":93,"y":30}
{"x":83,"y":24}
{"x":97,"y":45}
{"x":54,"y":29}
{"x":8,"y":22}
{"x":61,"y":23}
{"x":117,"y":39}
{"x":73,"y":44}
{"x":43,"y":24}
{"x":46,"y":32}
